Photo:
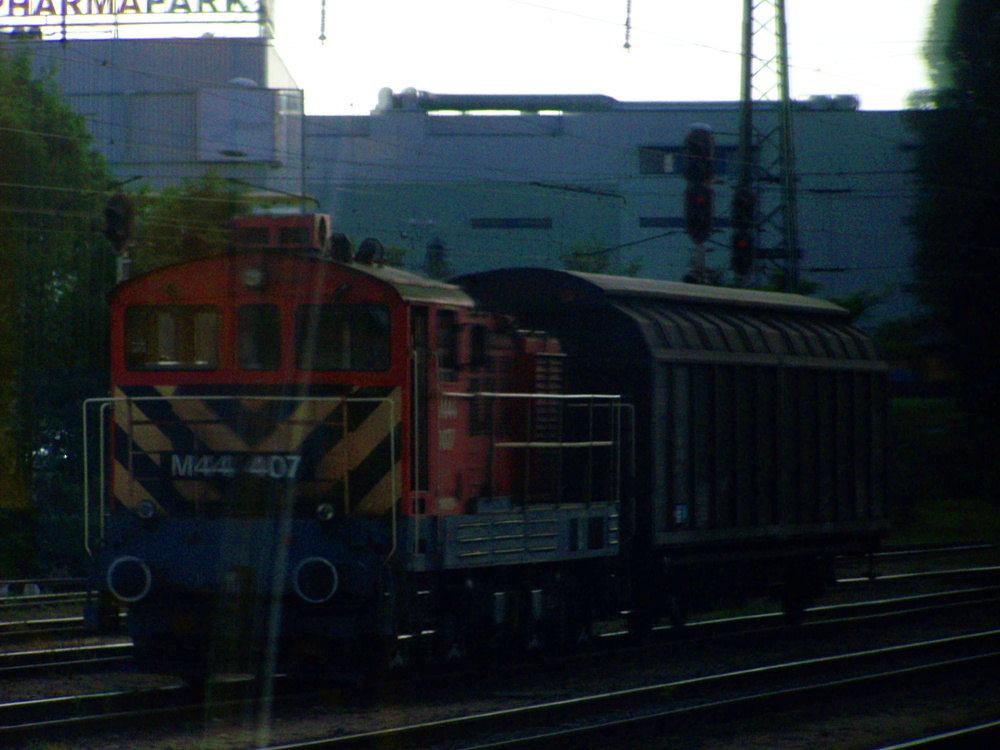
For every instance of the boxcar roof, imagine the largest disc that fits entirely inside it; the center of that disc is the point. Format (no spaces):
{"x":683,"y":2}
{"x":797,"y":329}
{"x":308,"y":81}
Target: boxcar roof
{"x":671,"y":319}
{"x":528,"y":287}
{"x":697,"y":294}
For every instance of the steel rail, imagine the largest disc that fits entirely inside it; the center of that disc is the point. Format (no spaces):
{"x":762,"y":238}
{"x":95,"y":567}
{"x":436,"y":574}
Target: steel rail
{"x":571,"y":723}
{"x":980,"y":737}
{"x":684,"y":698}
{"x":64,"y":659}
{"x":39,"y":600}
{"x":619,"y":732}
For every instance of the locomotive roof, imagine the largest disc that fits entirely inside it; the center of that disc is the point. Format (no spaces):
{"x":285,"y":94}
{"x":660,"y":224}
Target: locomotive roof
{"x":415,"y":288}
{"x":410,"y":287}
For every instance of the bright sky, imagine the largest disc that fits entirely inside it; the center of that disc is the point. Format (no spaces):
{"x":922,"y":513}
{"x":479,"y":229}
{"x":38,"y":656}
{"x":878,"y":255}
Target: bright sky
{"x":680,"y":51}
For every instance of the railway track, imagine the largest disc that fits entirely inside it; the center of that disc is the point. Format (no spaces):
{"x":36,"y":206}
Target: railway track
{"x":170,"y":707}
{"x":62,"y":660}
{"x":621,"y":719}
{"x":46,"y":660}
{"x":47,"y":629}
{"x":617,"y":718}
{"x":41,"y":619}
{"x":30,"y":720}
{"x":984,"y":736}
{"x":16,"y":623}
{"x":29,"y":601}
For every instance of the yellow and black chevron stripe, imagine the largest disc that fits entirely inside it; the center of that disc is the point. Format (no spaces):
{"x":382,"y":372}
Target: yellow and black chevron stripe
{"x":200,"y":450}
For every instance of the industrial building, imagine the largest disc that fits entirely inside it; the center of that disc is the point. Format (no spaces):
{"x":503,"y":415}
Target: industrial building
{"x":464,"y":183}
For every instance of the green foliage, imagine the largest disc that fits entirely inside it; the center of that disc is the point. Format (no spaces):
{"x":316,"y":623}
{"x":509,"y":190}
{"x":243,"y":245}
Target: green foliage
{"x":595,"y":258}
{"x":183,"y":222}
{"x":935,"y":47}
{"x":957,"y":219}
{"x":934,"y":496}
{"x":52,"y":312}
{"x":861,"y":301}
{"x":394,"y":256}
{"x":899,"y":339}
{"x":778,"y":282}
{"x":436,"y":263}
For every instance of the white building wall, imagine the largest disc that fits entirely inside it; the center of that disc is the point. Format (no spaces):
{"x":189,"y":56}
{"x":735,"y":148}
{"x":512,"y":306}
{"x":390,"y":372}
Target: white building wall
{"x":165,"y":110}
{"x":529,"y":188}
{"x":494,"y":189}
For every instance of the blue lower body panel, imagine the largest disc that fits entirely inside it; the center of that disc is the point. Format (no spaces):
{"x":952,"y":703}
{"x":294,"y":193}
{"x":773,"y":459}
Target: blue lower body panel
{"x":244,"y":595}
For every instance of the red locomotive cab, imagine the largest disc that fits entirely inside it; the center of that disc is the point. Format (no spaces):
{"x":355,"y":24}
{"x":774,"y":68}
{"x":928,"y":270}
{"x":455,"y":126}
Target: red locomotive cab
{"x":457,"y":356}
{"x":259,"y":366}
{"x":490,"y":425}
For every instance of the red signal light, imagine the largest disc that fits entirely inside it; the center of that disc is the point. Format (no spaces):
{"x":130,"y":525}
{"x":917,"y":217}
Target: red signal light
{"x":698,"y":211}
{"x":742,"y":260}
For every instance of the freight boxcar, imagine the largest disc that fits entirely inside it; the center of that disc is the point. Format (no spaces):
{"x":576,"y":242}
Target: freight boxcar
{"x":760,"y":427}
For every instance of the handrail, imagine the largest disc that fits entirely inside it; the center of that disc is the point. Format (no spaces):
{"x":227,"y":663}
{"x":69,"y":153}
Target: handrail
{"x":589,"y":401}
{"x":104,"y":404}
{"x":539,"y":396}
{"x":557,"y":444}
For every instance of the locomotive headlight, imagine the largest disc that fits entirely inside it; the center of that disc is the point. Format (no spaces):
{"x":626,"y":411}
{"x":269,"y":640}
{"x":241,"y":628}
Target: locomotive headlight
{"x":146,"y":509}
{"x":324,"y":511}
{"x":129,"y":578}
{"x":253,"y":278}
{"x":315,"y":579}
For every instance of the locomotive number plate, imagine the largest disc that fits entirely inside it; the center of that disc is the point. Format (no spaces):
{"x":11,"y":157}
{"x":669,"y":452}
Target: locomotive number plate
{"x":229,"y":465}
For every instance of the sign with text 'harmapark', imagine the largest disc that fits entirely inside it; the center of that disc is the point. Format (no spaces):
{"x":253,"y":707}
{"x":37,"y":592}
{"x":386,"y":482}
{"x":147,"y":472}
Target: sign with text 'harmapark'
{"x":89,"y":18}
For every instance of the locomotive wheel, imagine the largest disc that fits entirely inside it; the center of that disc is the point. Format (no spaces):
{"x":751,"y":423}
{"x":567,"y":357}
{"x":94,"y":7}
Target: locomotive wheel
{"x":676,"y":612}
{"x":451,"y":640}
{"x":579,"y":624}
{"x":640,"y":624}
{"x":793,"y":605}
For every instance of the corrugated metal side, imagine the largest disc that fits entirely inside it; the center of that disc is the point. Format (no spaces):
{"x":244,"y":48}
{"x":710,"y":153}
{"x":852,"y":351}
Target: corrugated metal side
{"x":767,"y":428}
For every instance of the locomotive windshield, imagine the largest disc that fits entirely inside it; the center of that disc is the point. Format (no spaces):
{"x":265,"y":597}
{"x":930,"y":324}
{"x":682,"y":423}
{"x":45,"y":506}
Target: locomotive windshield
{"x":342,"y":337}
{"x":328,"y":337}
{"x":171,"y":337}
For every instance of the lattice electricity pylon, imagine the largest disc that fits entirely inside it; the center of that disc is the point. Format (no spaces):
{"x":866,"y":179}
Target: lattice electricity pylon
{"x":767,"y":154}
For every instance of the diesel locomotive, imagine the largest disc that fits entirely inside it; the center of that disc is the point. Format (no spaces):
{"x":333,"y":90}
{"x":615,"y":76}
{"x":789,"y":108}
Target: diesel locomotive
{"x":312,"y":462}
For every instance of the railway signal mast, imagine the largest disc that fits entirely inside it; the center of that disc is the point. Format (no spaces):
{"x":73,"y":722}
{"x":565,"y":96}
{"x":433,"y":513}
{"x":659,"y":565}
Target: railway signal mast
{"x":764,"y":219}
{"x":699,"y":169}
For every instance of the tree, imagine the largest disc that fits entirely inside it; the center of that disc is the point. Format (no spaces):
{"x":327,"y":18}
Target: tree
{"x":184,"y":222}
{"x":52,"y":316}
{"x":595,"y":258}
{"x":957,"y":218}
{"x":436,"y":263}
